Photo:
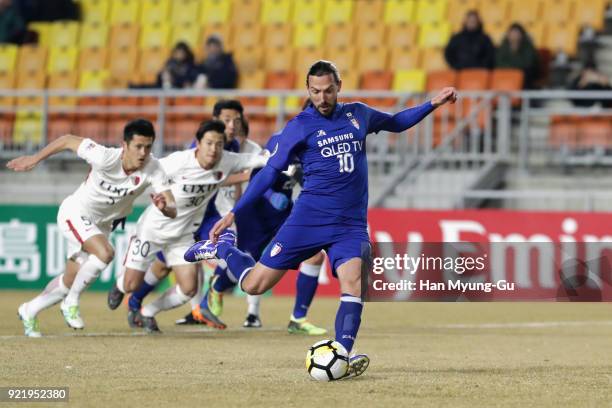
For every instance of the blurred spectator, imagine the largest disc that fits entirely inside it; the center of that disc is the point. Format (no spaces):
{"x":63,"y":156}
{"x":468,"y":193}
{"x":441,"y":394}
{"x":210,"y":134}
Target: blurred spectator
{"x":218,"y":70}
{"x":590,"y":79}
{"x":48,"y":10}
{"x":517,"y":51}
{"x":471,"y":47}
{"x":12,"y":26}
{"x":180,"y":70}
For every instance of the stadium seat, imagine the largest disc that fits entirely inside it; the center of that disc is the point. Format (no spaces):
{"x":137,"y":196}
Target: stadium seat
{"x":155,"y":35}
{"x":44,"y":33}
{"x":28,"y":128}
{"x":93,"y":35}
{"x":246,"y":12}
{"x":215,"y":11}
{"x":457,"y":10}
{"x":526,"y":11}
{"x":372,"y":59}
{"x":304,"y":58}
{"x":376,"y":80}
{"x":431,"y":11}
{"x":95,"y":11}
{"x":95,"y":127}
{"x":350,"y":80}
{"x":536,"y":31}
{"x":64,"y":34}
{"x":188,"y":33}
{"x":559,"y":11}
{"x":7,"y":81}
{"x":125,"y":11}
{"x":92,"y":59}
{"x":276,"y":11}
{"x":60,"y":124}
{"x":249,"y":59}
{"x":494,"y":12}
{"x":562,"y":37}
{"x":474,"y":79}
{"x":368,"y":12}
{"x":308,"y":35}
{"x":94,"y":80}
{"x":399,"y":11}
{"x":497,"y":31}
{"x":6,"y":128}
{"x":278,"y":59}
{"x":223,"y":31}
{"x":246,"y":35}
{"x":278,"y":35}
{"x":506,"y":79}
{"x":436,"y":80}
{"x":371,"y":35}
{"x":251,"y":80}
{"x":563,"y":132}
{"x":63,"y":81}
{"x":591,"y":13}
{"x":150,"y":63}
{"x":62,"y":59}
{"x":412,"y":80}
{"x":432,"y":59}
{"x":434,"y":35}
{"x":402,"y":35}
{"x":405,"y":58}
{"x":154,"y":11}
{"x":8,"y":57}
{"x":307,"y":11}
{"x":344,"y":58}
{"x":595,"y":132}
{"x":261,"y":128}
{"x":184,"y":12}
{"x":337,"y":11}
{"x":179,"y":130}
{"x":281,"y":81}
{"x":32,"y":81}
{"x":339,"y":35}
{"x":124,"y":35}
{"x":32,"y":58}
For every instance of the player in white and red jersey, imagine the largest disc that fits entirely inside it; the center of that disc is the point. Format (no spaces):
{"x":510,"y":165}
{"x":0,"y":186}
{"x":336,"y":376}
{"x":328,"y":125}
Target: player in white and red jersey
{"x":117,"y":177}
{"x":195,"y":175}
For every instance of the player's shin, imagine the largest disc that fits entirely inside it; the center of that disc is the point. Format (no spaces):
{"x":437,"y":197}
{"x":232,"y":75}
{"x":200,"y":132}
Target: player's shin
{"x":238,"y":263}
{"x":146,"y":287}
{"x":197,"y":298}
{"x":89,"y":272}
{"x":54,"y":292}
{"x":170,"y":299}
{"x":306,"y":287}
{"x":348,"y":319}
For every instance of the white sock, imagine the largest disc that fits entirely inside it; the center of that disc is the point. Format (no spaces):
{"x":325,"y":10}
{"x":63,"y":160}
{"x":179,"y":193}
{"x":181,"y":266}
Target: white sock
{"x":310,"y":270}
{"x":150,"y":278}
{"x":170,"y":299}
{"x":54,"y":292}
{"x":88,"y":273}
{"x":197,"y":298}
{"x":120,"y":282}
{"x":253,"y":302}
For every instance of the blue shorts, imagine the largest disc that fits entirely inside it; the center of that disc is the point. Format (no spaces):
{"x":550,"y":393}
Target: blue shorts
{"x":295,"y":243}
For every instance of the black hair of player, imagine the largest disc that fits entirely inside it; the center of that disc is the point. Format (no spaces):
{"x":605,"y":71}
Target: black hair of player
{"x":213,"y":125}
{"x":323,"y":67}
{"x":141,"y":127}
{"x":227,"y":104}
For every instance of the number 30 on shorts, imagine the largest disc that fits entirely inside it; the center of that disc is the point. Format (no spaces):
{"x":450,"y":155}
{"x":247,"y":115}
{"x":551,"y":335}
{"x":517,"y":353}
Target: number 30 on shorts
{"x":141,"y":248}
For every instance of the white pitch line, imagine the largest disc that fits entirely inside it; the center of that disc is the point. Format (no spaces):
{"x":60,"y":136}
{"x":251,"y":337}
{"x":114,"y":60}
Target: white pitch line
{"x":526,"y":325}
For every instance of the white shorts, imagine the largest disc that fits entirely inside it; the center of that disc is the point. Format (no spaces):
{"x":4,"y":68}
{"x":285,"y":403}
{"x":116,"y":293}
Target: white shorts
{"x":77,"y":226}
{"x":142,"y":250}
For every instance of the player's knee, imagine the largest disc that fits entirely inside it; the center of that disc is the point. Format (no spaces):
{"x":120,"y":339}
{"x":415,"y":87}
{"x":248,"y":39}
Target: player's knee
{"x":188,"y":290}
{"x":106,"y":254}
{"x":252,"y":287}
{"x":131,"y":280}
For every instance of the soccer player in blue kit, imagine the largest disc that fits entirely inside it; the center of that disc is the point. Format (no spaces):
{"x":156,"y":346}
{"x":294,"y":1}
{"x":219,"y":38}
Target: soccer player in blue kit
{"x":331,"y":212}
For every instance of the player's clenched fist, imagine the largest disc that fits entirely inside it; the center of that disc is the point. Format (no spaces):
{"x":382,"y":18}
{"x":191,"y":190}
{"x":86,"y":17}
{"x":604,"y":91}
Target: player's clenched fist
{"x":221,"y":226}
{"x":22,"y":163}
{"x":448,"y":94}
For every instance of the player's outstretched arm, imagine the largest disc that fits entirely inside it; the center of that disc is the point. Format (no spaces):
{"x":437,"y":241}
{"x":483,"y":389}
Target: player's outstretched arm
{"x":447,"y":95}
{"x":165,"y":203}
{"x":27,"y":163}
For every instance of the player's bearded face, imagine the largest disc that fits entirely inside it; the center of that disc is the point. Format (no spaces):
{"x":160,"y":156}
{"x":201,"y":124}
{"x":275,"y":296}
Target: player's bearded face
{"x":323,"y":91}
{"x":210,"y":149}
{"x":137,"y":151}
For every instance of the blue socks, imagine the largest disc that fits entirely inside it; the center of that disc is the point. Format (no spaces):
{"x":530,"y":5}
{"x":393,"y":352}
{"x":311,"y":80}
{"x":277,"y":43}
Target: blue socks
{"x":138,"y":296}
{"x":305,"y":288}
{"x":222,"y":281}
{"x":348,"y":319}
{"x":237,"y":261}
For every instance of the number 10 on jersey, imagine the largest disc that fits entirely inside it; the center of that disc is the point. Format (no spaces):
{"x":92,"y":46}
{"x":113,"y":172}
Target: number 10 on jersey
{"x":347,"y":164}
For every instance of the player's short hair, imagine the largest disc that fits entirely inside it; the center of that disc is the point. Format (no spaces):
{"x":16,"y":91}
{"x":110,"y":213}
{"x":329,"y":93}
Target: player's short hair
{"x":227,"y":104}
{"x":142,"y":127}
{"x":323,"y":67}
{"x":213,"y":125}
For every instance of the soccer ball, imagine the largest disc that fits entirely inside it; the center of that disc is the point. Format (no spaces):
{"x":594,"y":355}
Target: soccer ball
{"x":327,"y":360}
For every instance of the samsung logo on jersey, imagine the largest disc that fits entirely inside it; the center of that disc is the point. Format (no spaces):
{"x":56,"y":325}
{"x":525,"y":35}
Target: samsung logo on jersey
{"x":335,"y":139}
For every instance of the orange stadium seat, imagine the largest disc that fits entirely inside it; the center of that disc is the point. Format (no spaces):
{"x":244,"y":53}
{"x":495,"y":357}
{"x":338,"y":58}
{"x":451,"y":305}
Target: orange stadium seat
{"x":278,"y":59}
{"x":431,"y":11}
{"x":457,"y":10}
{"x":339,"y":35}
{"x":249,"y":59}
{"x":559,"y":11}
{"x":399,"y":11}
{"x":436,"y":81}
{"x":594,"y":132}
{"x":7,"y":82}
{"x":179,"y":131}
{"x":307,"y":11}
{"x":377,"y":81}
{"x":150,"y":63}
{"x":497,"y":31}
{"x":61,"y":124}
{"x":93,"y":35}
{"x":95,"y":11}
{"x":215,"y":11}
{"x":474,"y":79}
{"x":304,"y":58}
{"x":122,"y":64}
{"x":526,"y":11}
{"x":246,"y":11}
{"x":562,"y":37}
{"x":563,"y":132}
{"x":276,"y":11}
{"x":402,"y":35}
{"x":368,"y":12}
{"x":125,"y":11}
{"x":372,"y":59}
{"x":405,"y":58}
{"x":32,"y":58}
{"x":64,"y":34}
{"x":536,"y":31}
{"x":432,"y":59}
{"x":251,"y":80}
{"x":308,"y":35}
{"x":95,"y":127}
{"x":154,"y":11}
{"x":344,"y":58}
{"x":6,"y":128}
{"x":189,"y":33}
{"x":92,"y":59}
{"x":350,"y":80}
{"x":495,"y":11}
{"x":246,"y":35}
{"x":184,"y":12}
{"x":33,"y":81}
{"x":63,"y":81}
{"x":506,"y":79}
{"x":337,"y":11}
{"x":371,"y":35}
{"x":261,"y":128}
{"x":124,"y":35}
{"x":280,"y":80}
{"x":590,"y":13}
{"x":278,"y":35}
{"x":8,"y":57}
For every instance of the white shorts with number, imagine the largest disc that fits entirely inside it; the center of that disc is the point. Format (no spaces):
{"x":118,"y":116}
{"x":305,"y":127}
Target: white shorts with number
{"x":142,"y":250}
{"x":77,"y":226}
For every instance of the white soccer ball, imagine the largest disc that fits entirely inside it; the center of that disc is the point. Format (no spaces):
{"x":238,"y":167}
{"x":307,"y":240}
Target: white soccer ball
{"x":327,"y":360}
